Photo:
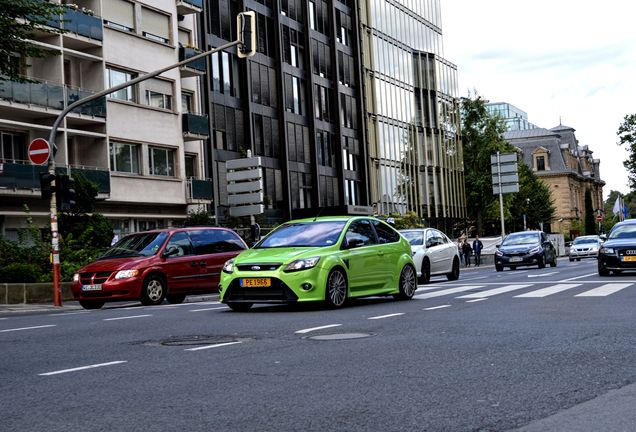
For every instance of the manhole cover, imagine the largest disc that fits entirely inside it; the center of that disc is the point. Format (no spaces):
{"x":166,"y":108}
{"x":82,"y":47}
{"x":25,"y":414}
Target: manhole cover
{"x":193,"y":340}
{"x":341,"y":336}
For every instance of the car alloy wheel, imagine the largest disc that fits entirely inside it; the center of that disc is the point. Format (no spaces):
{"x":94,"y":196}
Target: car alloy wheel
{"x":336,"y":292}
{"x":153,"y":291}
{"x":407,"y":283}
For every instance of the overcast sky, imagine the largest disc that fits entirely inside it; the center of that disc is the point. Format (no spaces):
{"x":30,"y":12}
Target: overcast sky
{"x":568,"y":61}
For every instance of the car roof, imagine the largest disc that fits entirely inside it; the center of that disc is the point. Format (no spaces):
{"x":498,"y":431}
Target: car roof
{"x":178,"y":229}
{"x":330,"y":219}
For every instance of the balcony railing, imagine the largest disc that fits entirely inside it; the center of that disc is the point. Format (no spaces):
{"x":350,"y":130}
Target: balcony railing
{"x":197,"y":66}
{"x":26,"y":176}
{"x":83,"y":24}
{"x":50,"y":95}
{"x":199,"y":189}
{"x":195,"y":125}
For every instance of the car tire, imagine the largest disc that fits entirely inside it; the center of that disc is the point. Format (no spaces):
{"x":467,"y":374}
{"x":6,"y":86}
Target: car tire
{"x":542,"y":262}
{"x":571,"y":259}
{"x":578,"y":259}
{"x":91,"y":304}
{"x":454,"y":273}
{"x":602,"y":271}
{"x":553,"y":263}
{"x":407,"y":283}
{"x":175,"y":298}
{"x":426,"y":272}
{"x":336,"y":288}
{"x":153,"y":291}
{"x":498,"y":268}
{"x":240,"y":307}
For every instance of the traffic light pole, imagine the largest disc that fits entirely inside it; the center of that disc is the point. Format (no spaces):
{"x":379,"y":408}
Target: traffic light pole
{"x":55,"y":251}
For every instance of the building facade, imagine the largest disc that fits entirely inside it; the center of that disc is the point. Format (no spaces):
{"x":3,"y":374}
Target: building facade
{"x":143,"y":146}
{"x":514,"y":118}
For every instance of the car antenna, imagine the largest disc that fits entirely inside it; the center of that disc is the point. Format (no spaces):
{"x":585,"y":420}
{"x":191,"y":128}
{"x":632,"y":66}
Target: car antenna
{"x":319,"y":213}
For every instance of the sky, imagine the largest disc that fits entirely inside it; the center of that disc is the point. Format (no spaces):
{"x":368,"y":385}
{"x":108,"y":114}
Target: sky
{"x":570,"y":62}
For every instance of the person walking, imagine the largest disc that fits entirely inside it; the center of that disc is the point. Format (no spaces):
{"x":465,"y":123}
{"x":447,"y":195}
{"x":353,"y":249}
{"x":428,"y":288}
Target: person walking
{"x":477,"y":248}
{"x":466,"y":249}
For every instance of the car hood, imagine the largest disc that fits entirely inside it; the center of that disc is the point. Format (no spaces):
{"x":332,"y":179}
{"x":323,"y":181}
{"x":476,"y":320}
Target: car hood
{"x":113,"y":264}
{"x":282,"y":255}
{"x":584,"y":246}
{"x":518,"y":248}
{"x":629,"y":242}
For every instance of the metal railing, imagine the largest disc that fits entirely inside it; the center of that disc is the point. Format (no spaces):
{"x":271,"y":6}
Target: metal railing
{"x":199,"y":189}
{"x":195,"y":124}
{"x":17,"y":175}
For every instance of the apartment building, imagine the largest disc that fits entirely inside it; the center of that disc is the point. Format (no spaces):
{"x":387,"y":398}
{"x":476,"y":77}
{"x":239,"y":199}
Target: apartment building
{"x":143,"y":146}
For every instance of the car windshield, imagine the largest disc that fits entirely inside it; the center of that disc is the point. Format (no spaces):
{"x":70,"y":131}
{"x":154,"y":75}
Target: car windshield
{"x":142,"y":244}
{"x":581,"y":240}
{"x":415,"y":238}
{"x":304,"y":234}
{"x":521,"y":238}
{"x":623,"y":232}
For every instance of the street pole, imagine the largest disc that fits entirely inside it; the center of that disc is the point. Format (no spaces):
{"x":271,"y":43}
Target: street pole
{"x":501,"y":211}
{"x":55,"y":252}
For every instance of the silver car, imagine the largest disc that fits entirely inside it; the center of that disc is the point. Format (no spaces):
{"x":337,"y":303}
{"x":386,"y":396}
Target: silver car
{"x":433,"y":253}
{"x":585,"y":247}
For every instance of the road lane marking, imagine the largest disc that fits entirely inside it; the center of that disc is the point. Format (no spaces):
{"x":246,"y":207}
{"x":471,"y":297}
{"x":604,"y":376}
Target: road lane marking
{"x":604,"y":290}
{"x":212,"y":346}
{"x":477,"y":300}
{"x":548,"y":291}
{"x":542,"y":274}
{"x":307,"y":330}
{"x":82,"y":368}
{"x":127,"y":317}
{"x":27,"y":328}
{"x":494,"y":291}
{"x":208,"y":309}
{"x":580,"y":277}
{"x":437,"y":307}
{"x":475,"y":278}
{"x":385,"y":316}
{"x":447,"y":291}
{"x":68,"y":313}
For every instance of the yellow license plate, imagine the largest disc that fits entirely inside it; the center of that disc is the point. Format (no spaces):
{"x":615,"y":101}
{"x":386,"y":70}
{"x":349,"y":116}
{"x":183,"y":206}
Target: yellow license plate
{"x":629,"y":258}
{"x":256,"y":282}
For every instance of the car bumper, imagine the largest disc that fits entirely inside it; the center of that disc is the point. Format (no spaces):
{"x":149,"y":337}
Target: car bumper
{"x":110,"y":290}
{"x":613,"y":262}
{"x":517,"y":261}
{"x":583,"y":254}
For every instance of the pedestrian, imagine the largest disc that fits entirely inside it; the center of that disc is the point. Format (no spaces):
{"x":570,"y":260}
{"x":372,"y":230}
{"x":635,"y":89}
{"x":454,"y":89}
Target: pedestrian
{"x":477,"y":247}
{"x":466,"y":250}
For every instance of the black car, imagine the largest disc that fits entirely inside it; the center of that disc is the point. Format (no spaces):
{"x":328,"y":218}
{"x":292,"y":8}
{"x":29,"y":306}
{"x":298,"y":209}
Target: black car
{"x":618,"y":252}
{"x":525,"y":248}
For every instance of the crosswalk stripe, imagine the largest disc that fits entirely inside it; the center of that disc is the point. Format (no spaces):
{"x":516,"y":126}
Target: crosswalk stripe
{"x":604,"y":290}
{"x":548,"y":291}
{"x":447,"y":292}
{"x":493,"y":291}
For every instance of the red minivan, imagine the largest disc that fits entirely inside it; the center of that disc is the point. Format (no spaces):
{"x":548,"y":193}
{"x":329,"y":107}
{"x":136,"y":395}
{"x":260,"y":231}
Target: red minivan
{"x":153,"y":265}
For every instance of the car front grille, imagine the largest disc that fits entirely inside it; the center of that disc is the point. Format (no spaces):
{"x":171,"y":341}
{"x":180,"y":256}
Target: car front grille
{"x":258,"y":267}
{"x":93,"y":278}
{"x":278,"y":292}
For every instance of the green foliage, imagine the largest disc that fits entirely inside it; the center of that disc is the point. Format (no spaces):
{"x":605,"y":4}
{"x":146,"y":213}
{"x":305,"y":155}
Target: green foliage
{"x":85,"y":194}
{"x":608,"y":206}
{"x":627,"y":136}
{"x":19,"y":273}
{"x":200,"y":217}
{"x":533,"y":199}
{"x":590,"y":219}
{"x":18,"y":21}
{"x":404,"y":221}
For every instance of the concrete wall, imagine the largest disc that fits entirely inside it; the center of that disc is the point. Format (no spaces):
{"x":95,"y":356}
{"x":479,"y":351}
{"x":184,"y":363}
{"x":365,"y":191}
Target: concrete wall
{"x":19,"y":293}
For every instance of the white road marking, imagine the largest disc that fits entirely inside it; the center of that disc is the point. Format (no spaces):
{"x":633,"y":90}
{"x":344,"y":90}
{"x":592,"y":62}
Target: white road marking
{"x":494,"y":291}
{"x":82,"y":368}
{"x":209,"y":309}
{"x":385,"y":316}
{"x":437,"y":307}
{"x":548,"y":291}
{"x":68,"y":313}
{"x":477,"y":300}
{"x":27,"y":328}
{"x":447,"y":291}
{"x":127,"y":317}
{"x":542,"y":274}
{"x":4,"y":318}
{"x":307,"y":330}
{"x":580,"y":277}
{"x":212,"y":346}
{"x":604,"y":290}
{"x":475,"y":278}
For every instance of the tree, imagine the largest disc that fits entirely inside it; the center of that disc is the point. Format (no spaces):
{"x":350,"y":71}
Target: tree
{"x":18,"y":21}
{"x":627,"y":136}
{"x":533,"y":199}
{"x":590,"y":220}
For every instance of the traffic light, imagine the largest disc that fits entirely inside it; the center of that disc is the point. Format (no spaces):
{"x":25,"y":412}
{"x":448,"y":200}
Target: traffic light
{"x":246,"y":29}
{"x":65,"y":193}
{"x":46,"y":179}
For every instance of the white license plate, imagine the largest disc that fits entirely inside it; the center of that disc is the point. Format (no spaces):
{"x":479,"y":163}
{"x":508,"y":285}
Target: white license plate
{"x":516,"y":259}
{"x":96,"y":287}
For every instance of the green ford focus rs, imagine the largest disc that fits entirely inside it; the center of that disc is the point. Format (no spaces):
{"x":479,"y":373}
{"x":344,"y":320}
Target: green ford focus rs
{"x":328,"y":259}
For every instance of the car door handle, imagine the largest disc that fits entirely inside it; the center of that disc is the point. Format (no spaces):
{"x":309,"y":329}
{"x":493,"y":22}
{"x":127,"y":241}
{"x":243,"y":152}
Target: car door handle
{"x":381,"y":253}
{"x":202,"y":263}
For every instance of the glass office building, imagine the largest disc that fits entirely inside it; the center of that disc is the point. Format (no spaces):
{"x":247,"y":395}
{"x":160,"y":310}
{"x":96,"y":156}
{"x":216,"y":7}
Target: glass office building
{"x":514,"y":118}
{"x":412,"y":112}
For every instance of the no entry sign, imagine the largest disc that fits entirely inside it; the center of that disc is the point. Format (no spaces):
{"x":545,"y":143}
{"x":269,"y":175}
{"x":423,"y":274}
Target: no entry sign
{"x":39,"y":151}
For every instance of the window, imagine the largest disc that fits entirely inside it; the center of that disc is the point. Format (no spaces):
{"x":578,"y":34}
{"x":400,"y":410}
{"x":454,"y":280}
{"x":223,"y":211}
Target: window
{"x":215,"y":241}
{"x":352,"y":192}
{"x":190,"y":165}
{"x":155,"y":25}
{"x":292,"y":9}
{"x":187,"y":101}
{"x":326,"y":152}
{"x":158,"y":93}
{"x":294,"y":95}
{"x":115,"y":77}
{"x":323,"y":103}
{"x":293,"y":49}
{"x":12,"y":147}
{"x":124,"y":157}
{"x":119,"y":14}
{"x":386,"y":234}
{"x":361,"y":230}
{"x":181,"y":242}
{"x":185,"y":37}
{"x":161,"y":161}
{"x":540,"y":163}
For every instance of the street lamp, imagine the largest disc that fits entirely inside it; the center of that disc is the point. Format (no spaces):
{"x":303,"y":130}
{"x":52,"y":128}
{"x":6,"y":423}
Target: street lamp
{"x":525,"y":225}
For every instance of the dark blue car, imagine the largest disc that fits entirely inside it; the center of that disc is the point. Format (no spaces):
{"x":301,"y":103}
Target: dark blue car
{"x":618,"y":252}
{"x":525,"y":248}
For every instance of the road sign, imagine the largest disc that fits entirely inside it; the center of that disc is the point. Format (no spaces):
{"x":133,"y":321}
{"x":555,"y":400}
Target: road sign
{"x":599,"y":218}
{"x":39,"y":151}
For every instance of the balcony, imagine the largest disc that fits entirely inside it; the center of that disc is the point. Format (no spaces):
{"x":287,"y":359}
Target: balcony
{"x":194,"y":126}
{"x":48,"y":95}
{"x":194,"y":68}
{"x":83,"y":24}
{"x":25,"y":176}
{"x":186,"y":7}
{"x":198,"y":190}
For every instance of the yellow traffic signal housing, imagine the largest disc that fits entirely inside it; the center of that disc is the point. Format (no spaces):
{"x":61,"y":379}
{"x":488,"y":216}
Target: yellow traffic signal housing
{"x":246,"y":34}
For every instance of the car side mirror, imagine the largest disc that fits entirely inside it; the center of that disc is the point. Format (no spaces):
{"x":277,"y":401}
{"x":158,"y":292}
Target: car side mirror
{"x":498,"y":246}
{"x":603,"y":237}
{"x":170,"y":251}
{"x":354,"y":243}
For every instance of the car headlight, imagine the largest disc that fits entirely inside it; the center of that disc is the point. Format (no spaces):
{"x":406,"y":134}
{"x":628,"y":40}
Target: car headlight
{"x":535,"y":250}
{"x":228,"y":267}
{"x":125,"y":274}
{"x":498,"y":253}
{"x":302,"y":264}
{"x":607,"y":251}
{"x":76,"y":277}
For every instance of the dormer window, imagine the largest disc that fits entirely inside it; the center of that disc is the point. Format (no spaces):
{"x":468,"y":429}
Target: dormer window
{"x":540,"y":163}
{"x":540,"y":159}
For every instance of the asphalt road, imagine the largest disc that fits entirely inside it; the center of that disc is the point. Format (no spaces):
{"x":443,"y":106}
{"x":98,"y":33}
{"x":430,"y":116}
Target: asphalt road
{"x":533,"y":350}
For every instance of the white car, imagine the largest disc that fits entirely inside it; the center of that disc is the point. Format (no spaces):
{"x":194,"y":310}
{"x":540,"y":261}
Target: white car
{"x":433,"y":253}
{"x":585,"y":247}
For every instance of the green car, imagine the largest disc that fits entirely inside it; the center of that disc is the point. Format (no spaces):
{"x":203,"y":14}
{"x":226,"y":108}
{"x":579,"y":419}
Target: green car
{"x":325,"y":259}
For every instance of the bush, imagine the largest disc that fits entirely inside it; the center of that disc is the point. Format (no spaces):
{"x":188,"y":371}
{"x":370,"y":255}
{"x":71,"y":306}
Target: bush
{"x":20,"y":273}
